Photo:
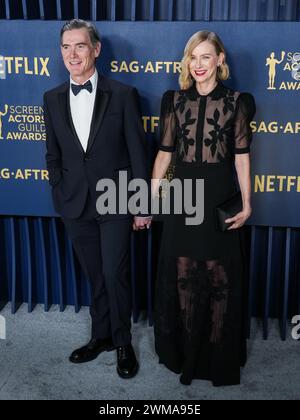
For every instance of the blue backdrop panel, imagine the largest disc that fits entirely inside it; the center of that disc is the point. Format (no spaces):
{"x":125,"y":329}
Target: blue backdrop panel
{"x":263,"y":60}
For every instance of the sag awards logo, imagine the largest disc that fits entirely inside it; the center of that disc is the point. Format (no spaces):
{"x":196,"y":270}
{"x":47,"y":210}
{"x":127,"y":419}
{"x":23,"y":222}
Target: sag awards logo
{"x":149,"y":67}
{"x":2,"y":114}
{"x":287,"y":62}
{"x":22,"y":123}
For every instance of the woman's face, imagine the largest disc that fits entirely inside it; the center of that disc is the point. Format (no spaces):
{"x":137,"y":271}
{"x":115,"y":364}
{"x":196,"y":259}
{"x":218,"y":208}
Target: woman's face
{"x":204,"y":62}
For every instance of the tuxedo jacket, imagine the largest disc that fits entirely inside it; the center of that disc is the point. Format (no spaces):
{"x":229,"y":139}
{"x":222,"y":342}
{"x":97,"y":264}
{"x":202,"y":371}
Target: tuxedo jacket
{"x":116,"y":142}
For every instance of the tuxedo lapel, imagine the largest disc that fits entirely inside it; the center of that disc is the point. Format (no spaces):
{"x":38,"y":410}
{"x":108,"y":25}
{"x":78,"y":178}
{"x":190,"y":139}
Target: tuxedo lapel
{"x":102,"y":99}
{"x":64,"y":103}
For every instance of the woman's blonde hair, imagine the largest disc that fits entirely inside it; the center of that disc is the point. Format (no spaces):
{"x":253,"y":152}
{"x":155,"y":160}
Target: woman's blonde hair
{"x":185,"y":79}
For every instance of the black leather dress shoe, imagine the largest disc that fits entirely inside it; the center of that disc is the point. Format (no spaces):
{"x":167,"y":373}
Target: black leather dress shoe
{"x":127,"y":364}
{"x":91,"y":350}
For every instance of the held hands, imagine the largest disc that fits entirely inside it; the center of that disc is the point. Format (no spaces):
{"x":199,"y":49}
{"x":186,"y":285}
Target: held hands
{"x":141,"y":223}
{"x":239,"y":219}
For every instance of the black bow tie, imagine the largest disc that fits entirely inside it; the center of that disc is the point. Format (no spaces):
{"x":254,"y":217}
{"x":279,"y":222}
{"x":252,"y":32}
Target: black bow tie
{"x":77,"y":88}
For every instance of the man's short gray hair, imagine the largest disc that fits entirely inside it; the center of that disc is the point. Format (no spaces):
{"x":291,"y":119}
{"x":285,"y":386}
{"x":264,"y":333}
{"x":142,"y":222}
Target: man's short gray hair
{"x":79,"y":24}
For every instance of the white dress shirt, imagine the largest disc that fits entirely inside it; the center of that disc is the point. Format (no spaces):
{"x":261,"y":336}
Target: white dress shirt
{"x":82,"y":107}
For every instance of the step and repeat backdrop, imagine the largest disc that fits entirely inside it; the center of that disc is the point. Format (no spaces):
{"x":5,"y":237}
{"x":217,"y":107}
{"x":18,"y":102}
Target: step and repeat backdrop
{"x":264,"y":59}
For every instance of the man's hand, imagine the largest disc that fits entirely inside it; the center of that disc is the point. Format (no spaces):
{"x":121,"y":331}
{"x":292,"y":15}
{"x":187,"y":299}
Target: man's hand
{"x":141,"y":223}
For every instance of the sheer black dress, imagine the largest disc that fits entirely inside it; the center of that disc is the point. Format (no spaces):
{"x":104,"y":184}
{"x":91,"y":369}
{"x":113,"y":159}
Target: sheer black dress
{"x":200,"y":297}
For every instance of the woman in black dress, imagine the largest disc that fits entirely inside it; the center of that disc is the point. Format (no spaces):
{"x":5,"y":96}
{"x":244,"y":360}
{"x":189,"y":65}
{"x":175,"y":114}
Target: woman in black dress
{"x":200,"y":304}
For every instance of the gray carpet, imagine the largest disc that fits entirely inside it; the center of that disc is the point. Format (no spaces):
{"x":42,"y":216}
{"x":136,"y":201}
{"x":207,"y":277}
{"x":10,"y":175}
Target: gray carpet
{"x":34,"y":364}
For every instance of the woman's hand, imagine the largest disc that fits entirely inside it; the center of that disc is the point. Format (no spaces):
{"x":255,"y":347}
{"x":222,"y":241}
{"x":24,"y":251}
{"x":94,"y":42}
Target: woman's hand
{"x":239,"y":219}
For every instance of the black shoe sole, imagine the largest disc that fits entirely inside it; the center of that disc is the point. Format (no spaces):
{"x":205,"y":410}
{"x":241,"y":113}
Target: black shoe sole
{"x":89,"y":359}
{"x":128,"y":375}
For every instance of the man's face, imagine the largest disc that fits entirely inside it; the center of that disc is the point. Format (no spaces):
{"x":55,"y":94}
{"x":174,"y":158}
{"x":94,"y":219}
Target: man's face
{"x":79,"y":54}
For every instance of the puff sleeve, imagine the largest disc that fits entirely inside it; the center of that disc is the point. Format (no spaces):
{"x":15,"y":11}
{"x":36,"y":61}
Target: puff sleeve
{"x":245,"y":110}
{"x":167,"y":123}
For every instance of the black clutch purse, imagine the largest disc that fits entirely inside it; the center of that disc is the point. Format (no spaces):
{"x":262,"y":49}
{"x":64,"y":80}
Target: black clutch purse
{"x":228,"y":209}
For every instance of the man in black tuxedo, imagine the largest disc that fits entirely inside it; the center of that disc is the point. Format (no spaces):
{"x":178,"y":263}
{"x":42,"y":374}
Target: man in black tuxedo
{"x":94,"y":130}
